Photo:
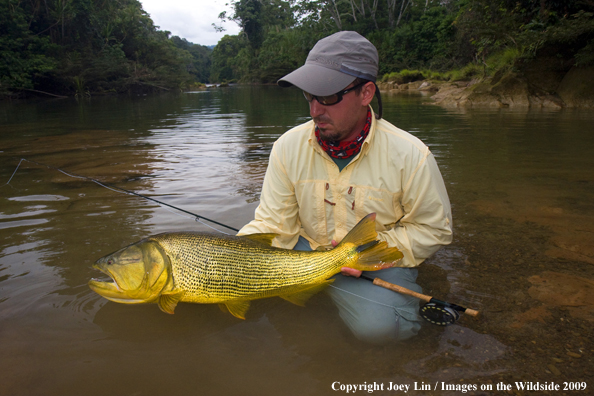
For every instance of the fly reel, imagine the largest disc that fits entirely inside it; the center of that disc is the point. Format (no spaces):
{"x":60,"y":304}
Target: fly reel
{"x":438,"y":312}
{"x":440,"y":315}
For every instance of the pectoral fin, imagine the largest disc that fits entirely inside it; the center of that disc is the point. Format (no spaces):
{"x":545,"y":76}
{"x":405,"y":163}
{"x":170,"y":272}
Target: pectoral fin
{"x":301,"y":295}
{"x":168,"y":301}
{"x":237,"y":308}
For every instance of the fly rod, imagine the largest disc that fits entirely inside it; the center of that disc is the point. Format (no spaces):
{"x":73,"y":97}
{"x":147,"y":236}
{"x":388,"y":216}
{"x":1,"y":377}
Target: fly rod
{"x":435,"y":311}
{"x":119,"y":189}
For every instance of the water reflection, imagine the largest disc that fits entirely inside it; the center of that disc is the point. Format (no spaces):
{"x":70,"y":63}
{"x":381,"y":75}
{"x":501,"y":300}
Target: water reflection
{"x":521,"y":189}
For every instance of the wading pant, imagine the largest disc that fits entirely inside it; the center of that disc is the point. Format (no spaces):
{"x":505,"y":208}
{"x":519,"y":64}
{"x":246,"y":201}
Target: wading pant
{"x":374,"y":314}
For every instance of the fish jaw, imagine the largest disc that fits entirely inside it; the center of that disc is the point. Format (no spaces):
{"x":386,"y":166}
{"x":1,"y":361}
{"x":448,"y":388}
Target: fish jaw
{"x":139,"y":273}
{"x":110,"y":289}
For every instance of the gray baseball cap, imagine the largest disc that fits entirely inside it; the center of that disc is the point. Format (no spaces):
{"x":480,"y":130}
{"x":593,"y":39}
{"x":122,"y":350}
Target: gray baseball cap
{"x":333,"y":63}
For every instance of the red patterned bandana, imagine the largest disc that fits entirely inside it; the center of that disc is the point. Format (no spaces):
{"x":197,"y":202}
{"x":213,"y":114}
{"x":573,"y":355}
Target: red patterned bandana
{"x":343,"y":149}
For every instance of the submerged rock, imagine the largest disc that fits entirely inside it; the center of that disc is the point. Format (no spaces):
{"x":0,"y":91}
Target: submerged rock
{"x":556,"y":289}
{"x":537,"y":314}
{"x":573,"y":231}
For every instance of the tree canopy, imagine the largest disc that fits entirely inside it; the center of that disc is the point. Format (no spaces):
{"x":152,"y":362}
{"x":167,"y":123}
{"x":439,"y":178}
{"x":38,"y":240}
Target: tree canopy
{"x":80,"y":46}
{"x":76,"y":47}
{"x":437,"y":35}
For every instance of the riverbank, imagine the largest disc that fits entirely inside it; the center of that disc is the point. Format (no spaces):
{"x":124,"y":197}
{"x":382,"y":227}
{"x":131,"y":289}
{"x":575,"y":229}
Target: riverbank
{"x":538,"y":85}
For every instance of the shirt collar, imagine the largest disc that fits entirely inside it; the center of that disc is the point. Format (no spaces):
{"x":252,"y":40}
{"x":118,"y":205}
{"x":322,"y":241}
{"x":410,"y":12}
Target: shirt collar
{"x":364,"y":148}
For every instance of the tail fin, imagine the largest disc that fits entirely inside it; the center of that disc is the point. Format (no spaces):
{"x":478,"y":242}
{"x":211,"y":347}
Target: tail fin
{"x":378,"y":257}
{"x":373,"y":255}
{"x":363,"y":232}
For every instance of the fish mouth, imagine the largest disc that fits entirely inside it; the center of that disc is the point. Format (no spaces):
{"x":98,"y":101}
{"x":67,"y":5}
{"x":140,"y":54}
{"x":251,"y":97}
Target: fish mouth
{"x":110,"y":289}
{"x":106,"y":288}
{"x":104,"y":284}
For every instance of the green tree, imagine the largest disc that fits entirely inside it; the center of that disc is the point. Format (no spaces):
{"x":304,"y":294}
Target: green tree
{"x":22,"y":53}
{"x":73,"y":46}
{"x":200,"y":65}
{"x":224,"y":59}
{"x":492,"y":27}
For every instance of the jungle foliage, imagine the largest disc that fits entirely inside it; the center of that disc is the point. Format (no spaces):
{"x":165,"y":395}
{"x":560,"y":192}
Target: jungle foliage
{"x":446,"y":38}
{"x":81,"y":47}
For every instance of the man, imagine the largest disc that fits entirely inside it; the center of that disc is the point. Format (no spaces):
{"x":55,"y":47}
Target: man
{"x":327,"y":174}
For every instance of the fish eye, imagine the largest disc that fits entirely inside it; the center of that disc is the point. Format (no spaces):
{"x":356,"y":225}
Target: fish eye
{"x":109,"y":262}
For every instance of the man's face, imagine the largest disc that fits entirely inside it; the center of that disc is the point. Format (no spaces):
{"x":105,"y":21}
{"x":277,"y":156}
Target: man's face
{"x":344,"y":120}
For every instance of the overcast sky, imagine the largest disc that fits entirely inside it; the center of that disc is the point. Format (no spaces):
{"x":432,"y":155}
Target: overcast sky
{"x":190,"y":19}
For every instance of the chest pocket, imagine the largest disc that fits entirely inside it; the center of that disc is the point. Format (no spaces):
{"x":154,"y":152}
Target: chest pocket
{"x":312,"y":209}
{"x":385,"y":203}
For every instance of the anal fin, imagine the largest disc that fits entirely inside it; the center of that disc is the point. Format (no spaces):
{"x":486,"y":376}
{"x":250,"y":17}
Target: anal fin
{"x":303,"y":293}
{"x":237,"y":308}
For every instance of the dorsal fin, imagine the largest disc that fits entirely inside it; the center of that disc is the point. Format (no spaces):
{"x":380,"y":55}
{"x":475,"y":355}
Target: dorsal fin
{"x":265,"y":239}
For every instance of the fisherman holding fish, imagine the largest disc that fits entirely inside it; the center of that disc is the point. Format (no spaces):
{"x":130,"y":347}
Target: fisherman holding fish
{"x":324,"y":176}
{"x":334,"y":185}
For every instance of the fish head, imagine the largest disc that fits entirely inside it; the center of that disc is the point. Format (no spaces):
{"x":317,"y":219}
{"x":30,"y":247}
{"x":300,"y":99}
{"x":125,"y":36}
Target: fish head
{"x":139,"y":273}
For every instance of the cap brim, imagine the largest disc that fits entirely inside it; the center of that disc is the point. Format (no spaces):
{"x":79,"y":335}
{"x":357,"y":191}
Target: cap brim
{"x":317,"y":80}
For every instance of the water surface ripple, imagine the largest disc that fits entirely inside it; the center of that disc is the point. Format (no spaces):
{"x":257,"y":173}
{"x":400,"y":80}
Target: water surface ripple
{"x":521,"y":184}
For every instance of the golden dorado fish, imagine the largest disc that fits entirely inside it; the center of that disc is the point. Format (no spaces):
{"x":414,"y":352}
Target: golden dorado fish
{"x":199,"y":267}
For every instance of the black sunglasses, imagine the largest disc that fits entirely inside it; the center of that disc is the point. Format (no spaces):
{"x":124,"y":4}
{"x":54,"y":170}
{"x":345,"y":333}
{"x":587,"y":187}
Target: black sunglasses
{"x":331,"y":99}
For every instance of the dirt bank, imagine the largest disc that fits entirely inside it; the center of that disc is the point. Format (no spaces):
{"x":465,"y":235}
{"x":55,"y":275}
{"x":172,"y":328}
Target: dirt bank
{"x":542,"y":84}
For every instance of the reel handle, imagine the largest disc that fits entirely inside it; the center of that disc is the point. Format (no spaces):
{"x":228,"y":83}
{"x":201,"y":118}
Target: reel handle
{"x":423,"y":297}
{"x":471,"y":312}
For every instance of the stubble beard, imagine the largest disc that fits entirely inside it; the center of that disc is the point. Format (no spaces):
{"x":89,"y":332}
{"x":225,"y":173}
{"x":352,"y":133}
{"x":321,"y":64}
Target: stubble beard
{"x":327,"y":135}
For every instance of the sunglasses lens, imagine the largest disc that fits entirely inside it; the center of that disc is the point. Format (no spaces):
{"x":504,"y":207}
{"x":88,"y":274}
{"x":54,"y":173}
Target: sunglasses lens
{"x":328,"y":100}
{"x":325,"y":100}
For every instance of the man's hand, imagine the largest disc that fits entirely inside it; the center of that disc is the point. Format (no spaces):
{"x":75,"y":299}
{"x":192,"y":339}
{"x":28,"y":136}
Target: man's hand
{"x":347,"y":271}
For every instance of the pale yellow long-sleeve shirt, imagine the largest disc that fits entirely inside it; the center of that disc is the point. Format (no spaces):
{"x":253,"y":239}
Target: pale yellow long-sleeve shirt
{"x":395,"y":175}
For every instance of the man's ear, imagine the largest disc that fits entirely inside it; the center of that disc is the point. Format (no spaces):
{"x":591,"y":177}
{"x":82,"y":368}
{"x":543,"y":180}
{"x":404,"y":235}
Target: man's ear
{"x":367,"y":93}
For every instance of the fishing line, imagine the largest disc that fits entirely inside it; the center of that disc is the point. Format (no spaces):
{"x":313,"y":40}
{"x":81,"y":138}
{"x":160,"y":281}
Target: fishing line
{"x":435,"y":311}
{"x":364,"y":298}
{"x":15,"y":171}
{"x":397,"y":310}
{"x":195,"y":219}
{"x":128,"y":192}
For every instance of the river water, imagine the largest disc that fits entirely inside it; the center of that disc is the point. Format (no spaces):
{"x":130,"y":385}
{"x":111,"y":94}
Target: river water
{"x":521,"y":184}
